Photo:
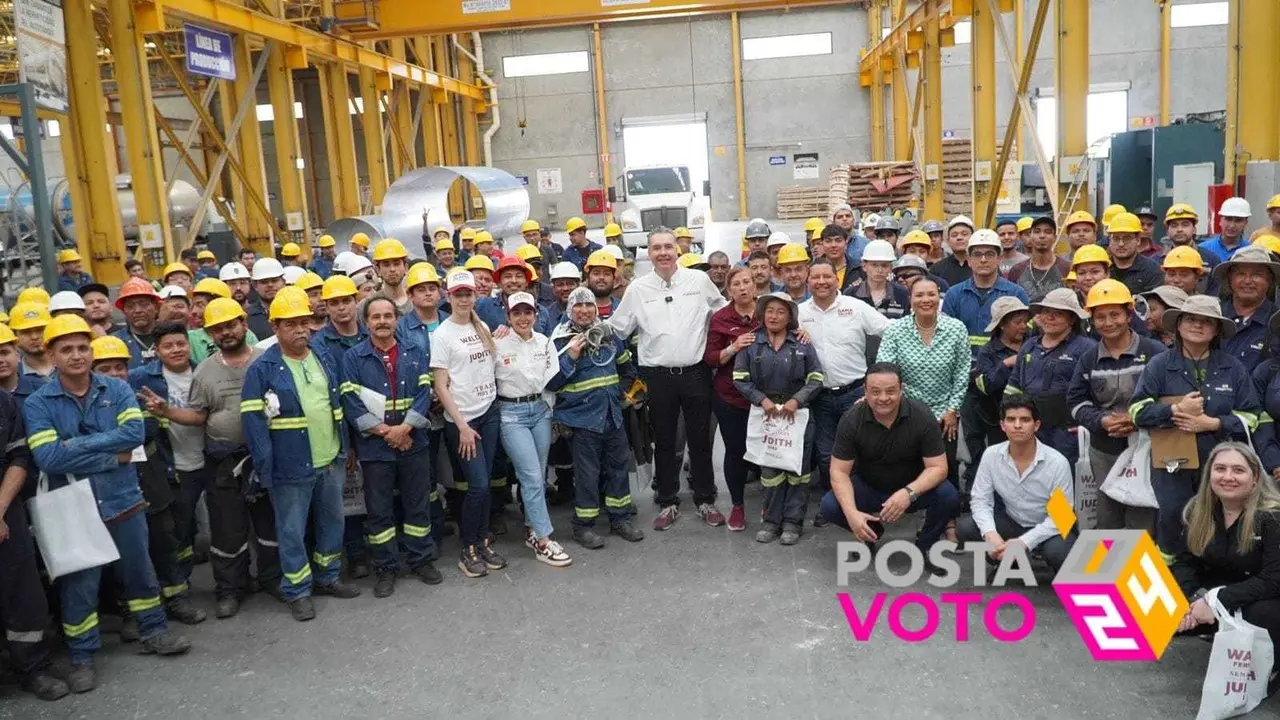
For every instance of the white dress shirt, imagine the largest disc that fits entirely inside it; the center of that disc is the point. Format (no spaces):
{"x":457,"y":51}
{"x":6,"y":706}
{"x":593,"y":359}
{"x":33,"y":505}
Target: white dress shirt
{"x":1024,"y":494}
{"x":524,"y":367}
{"x":671,"y":318}
{"x":839,"y":334}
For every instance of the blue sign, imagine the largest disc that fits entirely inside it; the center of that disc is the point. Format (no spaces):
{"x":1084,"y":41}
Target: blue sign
{"x":524,"y":180}
{"x":948,"y":134}
{"x":209,"y":52}
{"x":777,"y":159}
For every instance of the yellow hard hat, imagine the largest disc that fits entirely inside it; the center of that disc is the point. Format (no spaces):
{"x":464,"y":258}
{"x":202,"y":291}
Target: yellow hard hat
{"x":175,"y":267}
{"x":529,"y":226}
{"x":446,"y":228}
{"x":483,"y":236}
{"x":6,"y":334}
{"x":4,"y":317}
{"x":613,"y":230}
{"x":67,"y":256}
{"x":28,"y":315}
{"x":360,"y":239}
{"x":467,"y":233}
{"x":1274,"y":202}
{"x":1108,"y":292}
{"x":290,"y":250}
{"x":290,"y":302}
{"x":689,"y":260}
{"x":1125,"y":222}
{"x":221,"y":310}
{"x":1268,"y":241}
{"x":605,"y":259}
{"x":419,"y":274}
{"x":813,"y":225}
{"x":1181,"y":211}
{"x":1090,"y":254}
{"x":1081,"y":216}
{"x":575,"y":224}
{"x":308,"y":281}
{"x":793,"y":253}
{"x":683,"y":232}
{"x":1071,"y":277}
{"x":341,"y":286}
{"x":206,"y":255}
{"x":36,"y":295}
{"x":64,"y":325}
{"x":1024,"y":223}
{"x":212,"y":286}
{"x":110,"y":347}
{"x":389,"y":249}
{"x":326,"y":241}
{"x":1110,"y":213}
{"x":529,"y":253}
{"x":444,"y":244}
{"x":479,"y":262}
{"x":1183,"y":257}
{"x":915,"y":237}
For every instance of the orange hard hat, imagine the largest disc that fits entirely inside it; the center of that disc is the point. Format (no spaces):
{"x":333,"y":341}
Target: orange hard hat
{"x":512,"y":261}
{"x":135,"y":287}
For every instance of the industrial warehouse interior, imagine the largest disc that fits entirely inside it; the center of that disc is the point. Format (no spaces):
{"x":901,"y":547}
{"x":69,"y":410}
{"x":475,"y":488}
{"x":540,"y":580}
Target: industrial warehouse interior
{"x":194,"y":152}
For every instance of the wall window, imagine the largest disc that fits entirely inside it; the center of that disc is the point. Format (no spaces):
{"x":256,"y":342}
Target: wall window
{"x":781,"y":46}
{"x":1198,"y":14}
{"x":266,"y":112}
{"x":1107,"y":113}
{"x":516,"y":66}
{"x":964,"y":32}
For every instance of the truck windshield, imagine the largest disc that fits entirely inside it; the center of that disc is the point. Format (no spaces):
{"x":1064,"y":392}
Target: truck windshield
{"x":651,"y":181}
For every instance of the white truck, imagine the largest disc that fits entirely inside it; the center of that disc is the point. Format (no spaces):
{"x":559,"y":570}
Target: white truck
{"x":649,"y":197}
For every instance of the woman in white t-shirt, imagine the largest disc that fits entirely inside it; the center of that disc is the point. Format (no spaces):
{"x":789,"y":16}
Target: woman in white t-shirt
{"x":526,"y":362}
{"x":462,"y":357}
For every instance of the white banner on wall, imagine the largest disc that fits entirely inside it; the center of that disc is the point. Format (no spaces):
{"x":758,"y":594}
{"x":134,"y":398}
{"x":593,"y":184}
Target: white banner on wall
{"x":470,"y":7}
{"x":805,"y":167}
{"x":550,"y":181}
{"x":42,"y":50}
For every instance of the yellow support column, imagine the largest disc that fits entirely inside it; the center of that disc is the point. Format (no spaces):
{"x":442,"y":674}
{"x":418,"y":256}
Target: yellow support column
{"x":142,"y":142}
{"x":739,"y":115}
{"x":89,"y":164}
{"x":467,"y":108}
{"x":404,"y":152}
{"x":1253,"y":86}
{"x":1071,"y":66}
{"x":1166,"y":48}
{"x":293,"y":199}
{"x":339,"y":141}
{"x":249,"y":144}
{"x":431,"y":148}
{"x":1019,"y":53}
{"x":375,"y":142}
{"x":983,"y":74}
{"x":602,"y":118}
{"x":879,"y":132}
{"x":452,"y":150}
{"x":932,"y":69}
{"x":226,"y":102}
{"x":901,"y":117}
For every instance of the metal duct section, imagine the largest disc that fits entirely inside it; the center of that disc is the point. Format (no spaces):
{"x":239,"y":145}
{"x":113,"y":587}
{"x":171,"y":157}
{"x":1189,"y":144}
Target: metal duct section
{"x":343,"y":229}
{"x":419,"y":199}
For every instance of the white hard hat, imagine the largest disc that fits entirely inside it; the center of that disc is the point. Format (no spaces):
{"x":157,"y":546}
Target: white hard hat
{"x":984,"y":237}
{"x":879,"y":251}
{"x":267,"y":269}
{"x":172,"y":291}
{"x":293,"y":273}
{"x":960,"y":220}
{"x":566,"y":271}
{"x":613,"y":250}
{"x":340,"y":261}
{"x":778,"y":238}
{"x":1236,"y":207}
{"x":870,"y":220}
{"x":355,"y":264}
{"x":233,"y":271}
{"x":66,"y":300}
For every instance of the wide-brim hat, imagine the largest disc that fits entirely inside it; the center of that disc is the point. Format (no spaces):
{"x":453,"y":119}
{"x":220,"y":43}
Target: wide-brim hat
{"x":763,"y":300}
{"x":1003,"y":308}
{"x":1171,"y":296}
{"x":1205,"y":306}
{"x":1060,"y":299}
{"x":1247,"y":256}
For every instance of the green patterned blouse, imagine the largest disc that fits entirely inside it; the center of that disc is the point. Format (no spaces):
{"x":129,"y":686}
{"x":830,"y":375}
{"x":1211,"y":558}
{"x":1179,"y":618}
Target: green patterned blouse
{"x":936,"y":374}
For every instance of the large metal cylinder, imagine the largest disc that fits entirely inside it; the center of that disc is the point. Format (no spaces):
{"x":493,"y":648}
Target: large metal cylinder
{"x":342,"y":230}
{"x":183,"y":199}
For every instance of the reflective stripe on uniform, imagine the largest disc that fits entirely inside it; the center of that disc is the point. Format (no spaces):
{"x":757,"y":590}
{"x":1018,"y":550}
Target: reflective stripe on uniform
{"x":798,"y":479}
{"x":44,"y":437}
{"x":20,"y":442}
{"x":144,"y":604}
{"x":434,"y":496}
{"x":186,"y":553}
{"x":461,"y":486}
{"x":592,"y":384}
{"x":337,"y":414}
{"x":381,"y":538}
{"x":814,"y":376}
{"x":88,"y":624}
{"x":586,"y":513}
{"x":220,"y":553}
{"x":425,"y":379}
{"x":247,"y":406}
{"x":173,"y":590}
{"x":325,"y":561}
{"x":287,"y":423}
{"x":1249,"y":419}
{"x":499,"y":482}
{"x":774,"y":481}
{"x":297,"y":577}
{"x":31,"y":636}
{"x":741,"y":375}
{"x":417,"y":531}
{"x":625,"y":357}
{"x":266,"y":543}
{"x":978,"y":340}
{"x":1136,"y":408}
{"x":620,"y":502}
{"x":128,"y":414}
{"x":1012,"y":390}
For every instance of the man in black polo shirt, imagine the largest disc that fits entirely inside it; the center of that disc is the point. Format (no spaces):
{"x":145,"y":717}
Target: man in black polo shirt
{"x":896,"y":445}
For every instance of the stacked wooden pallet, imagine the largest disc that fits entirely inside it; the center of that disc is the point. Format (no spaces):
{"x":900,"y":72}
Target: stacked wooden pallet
{"x":876,"y":185}
{"x":802,"y":202}
{"x":837,"y":187}
{"x":957,"y":176}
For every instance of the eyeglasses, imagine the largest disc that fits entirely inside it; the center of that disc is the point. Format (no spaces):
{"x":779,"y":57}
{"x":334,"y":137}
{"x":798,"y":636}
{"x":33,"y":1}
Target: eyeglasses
{"x":983,"y":255}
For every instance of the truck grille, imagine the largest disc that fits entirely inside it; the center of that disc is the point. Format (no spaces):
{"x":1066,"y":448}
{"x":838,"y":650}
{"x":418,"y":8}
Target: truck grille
{"x":668,"y":217}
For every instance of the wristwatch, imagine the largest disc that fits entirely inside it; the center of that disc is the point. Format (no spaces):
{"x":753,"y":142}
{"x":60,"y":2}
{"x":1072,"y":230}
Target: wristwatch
{"x":911,"y":495}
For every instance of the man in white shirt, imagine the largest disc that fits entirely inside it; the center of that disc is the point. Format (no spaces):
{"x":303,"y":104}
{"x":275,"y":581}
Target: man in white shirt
{"x":670,"y":310}
{"x":1013,"y":485}
{"x":845,"y":331}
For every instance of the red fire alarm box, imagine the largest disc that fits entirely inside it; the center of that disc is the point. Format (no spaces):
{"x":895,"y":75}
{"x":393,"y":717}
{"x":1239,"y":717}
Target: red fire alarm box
{"x":593,"y":202}
{"x":1217,"y":195}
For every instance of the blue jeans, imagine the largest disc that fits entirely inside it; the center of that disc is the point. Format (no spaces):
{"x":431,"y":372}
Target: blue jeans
{"x":526,"y":436}
{"x":475,"y":506}
{"x":320,"y":499}
{"x":138,"y":586}
{"x":827,"y":409}
{"x":941,"y":506}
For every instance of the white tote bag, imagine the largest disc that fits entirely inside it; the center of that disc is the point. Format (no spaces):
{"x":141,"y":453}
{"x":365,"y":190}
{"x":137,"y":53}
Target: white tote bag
{"x":1086,"y":488}
{"x":68,"y":528}
{"x":1239,"y":666}
{"x":776,"y":442}
{"x":1129,"y":481}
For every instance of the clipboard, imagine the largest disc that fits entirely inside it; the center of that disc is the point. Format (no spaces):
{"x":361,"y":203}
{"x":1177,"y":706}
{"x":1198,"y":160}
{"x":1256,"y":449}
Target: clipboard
{"x":1171,"y":448}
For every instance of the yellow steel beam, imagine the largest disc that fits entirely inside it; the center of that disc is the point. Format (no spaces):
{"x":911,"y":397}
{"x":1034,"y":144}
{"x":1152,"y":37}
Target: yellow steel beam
{"x":879,"y":132}
{"x":431,"y":147}
{"x":90,"y":167}
{"x":339,"y":141}
{"x":185,"y":157}
{"x":284,"y":128}
{"x":470,"y":142}
{"x":11,"y":108}
{"x":443,"y":52}
{"x":404,"y":156}
{"x":602,"y":118}
{"x":142,"y":142}
{"x":1071,"y":67}
{"x":375,"y":143}
{"x":982,"y":66}
{"x":300,"y":41}
{"x":409,"y":18}
{"x":898,"y":76}
{"x":1253,"y":127}
{"x":1019,"y":33}
{"x":1166,"y":43}
{"x":739,"y":115}
{"x":258,"y":224}
{"x":932,"y":69}
{"x":905,"y":33}
{"x":226,"y":112}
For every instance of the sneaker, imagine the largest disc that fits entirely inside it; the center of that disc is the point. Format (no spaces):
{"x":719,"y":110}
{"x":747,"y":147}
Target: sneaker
{"x":666,"y":518}
{"x":45,"y":686}
{"x":303,"y":609}
{"x":129,"y":630}
{"x":166,"y":643}
{"x":588,"y":538}
{"x":337,"y":589}
{"x":227,"y":607}
{"x":551,"y":553}
{"x":627,"y":531}
{"x":385,"y":585}
{"x":471,"y":564}
{"x":710,"y":515}
{"x":819,"y":520}
{"x":738,"y":518}
{"x":498,"y":524}
{"x":182,"y":610}
{"x":491,"y":556}
{"x":428,"y":574}
{"x":359,"y":570}
{"x":767,"y":533}
{"x":790,"y":534}
{"x":82,"y":678}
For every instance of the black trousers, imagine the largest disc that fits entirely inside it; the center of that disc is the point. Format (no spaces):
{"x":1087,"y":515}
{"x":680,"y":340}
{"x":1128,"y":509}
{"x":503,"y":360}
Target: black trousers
{"x":685,"y":390}
{"x":231,"y":521}
{"x":733,"y":428}
{"x":24,"y":609}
